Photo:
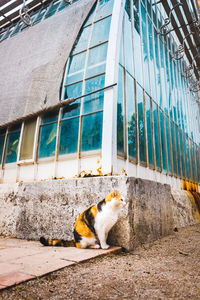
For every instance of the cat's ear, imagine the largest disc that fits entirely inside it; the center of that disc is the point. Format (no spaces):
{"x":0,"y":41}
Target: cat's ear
{"x":115,"y":193}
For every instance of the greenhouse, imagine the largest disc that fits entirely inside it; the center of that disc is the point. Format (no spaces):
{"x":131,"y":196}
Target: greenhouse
{"x":94,"y":88}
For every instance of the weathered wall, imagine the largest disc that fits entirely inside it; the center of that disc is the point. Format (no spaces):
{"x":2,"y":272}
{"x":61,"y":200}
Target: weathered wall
{"x":50,"y":208}
{"x":33,"y":63}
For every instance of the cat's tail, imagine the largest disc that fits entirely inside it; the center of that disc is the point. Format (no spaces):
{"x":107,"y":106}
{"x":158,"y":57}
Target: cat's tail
{"x":58,"y":242}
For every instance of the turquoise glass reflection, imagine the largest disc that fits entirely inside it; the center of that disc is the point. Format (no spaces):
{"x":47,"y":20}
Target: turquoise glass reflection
{"x":145,"y":50}
{"x":100,"y":32}
{"x":141,"y":125}
{"x":185,"y":155}
{"x":188,"y":158}
{"x":91,"y":137}
{"x":2,"y":140}
{"x":149,"y":132}
{"x":12,"y":145}
{"x":156,"y":135}
{"x":182,"y":153}
{"x":177,"y":150}
{"x":82,"y":41}
{"x":97,"y":60}
{"x":94,"y":102}
{"x":128,"y":44}
{"x":69,"y":136}
{"x":73,"y":91}
{"x":168,"y":144}
{"x":162,"y":135}
{"x":104,"y":9}
{"x":120,"y":112}
{"x":173,"y":148}
{"x":131,"y":117}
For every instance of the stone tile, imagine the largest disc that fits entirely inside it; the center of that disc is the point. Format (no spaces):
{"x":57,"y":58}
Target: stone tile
{"x":8,"y":268}
{"x":78,"y":255}
{"x":2,"y":287}
{"x":14,"y":253}
{"x":42,"y":269}
{"x":14,"y":278}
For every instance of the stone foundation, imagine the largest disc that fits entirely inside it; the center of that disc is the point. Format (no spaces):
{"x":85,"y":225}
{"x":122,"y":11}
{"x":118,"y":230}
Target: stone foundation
{"x":50,"y":208}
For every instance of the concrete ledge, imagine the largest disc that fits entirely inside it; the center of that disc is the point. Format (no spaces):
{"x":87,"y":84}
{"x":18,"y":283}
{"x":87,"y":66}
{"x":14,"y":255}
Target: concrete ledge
{"x":50,"y":208}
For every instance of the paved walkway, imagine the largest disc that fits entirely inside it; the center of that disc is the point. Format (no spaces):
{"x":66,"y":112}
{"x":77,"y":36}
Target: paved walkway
{"x":22,"y":260}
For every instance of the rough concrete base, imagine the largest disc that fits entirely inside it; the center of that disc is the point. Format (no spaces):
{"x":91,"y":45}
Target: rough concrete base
{"x":50,"y":208}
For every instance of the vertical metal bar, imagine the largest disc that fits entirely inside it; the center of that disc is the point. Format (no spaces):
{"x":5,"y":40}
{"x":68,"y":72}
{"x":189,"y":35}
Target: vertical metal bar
{"x":20,"y":142}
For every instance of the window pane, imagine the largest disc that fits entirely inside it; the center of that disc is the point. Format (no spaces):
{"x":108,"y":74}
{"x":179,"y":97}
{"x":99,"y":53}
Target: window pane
{"x":2,"y":140}
{"x":12,"y":145}
{"x":185,"y":155}
{"x":94,"y":102}
{"x":100,"y":32}
{"x":104,"y":9}
{"x":162,"y":134}
{"x":168,"y":144}
{"x":69,"y":136}
{"x":47,"y":140}
{"x":149,"y":132}
{"x":131,"y":117}
{"x":128,"y":44}
{"x":151,"y":60}
{"x":73,"y":90}
{"x":71,"y":110}
{"x":141,"y":125}
{"x":173,"y":148}
{"x":82,"y":41}
{"x":120,"y":112}
{"x":177,"y":150}
{"x":28,"y":140}
{"x":188,"y":157}
{"x":77,"y":64}
{"x":91,"y":137}
{"x":145,"y":50}
{"x":50,"y":117}
{"x":156,"y":136}
{"x":97,"y":60}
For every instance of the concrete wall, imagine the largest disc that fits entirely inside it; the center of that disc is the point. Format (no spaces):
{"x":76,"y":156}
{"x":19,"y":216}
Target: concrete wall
{"x":33,"y":63}
{"x":50,"y":208}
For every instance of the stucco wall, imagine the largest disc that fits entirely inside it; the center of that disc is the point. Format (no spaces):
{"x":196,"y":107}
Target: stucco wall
{"x":50,"y":208}
{"x":33,"y":62}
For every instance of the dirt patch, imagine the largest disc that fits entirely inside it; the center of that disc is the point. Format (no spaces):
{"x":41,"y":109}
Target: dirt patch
{"x":165,"y":269}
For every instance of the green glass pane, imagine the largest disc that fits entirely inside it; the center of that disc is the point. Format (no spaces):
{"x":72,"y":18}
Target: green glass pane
{"x":128,"y":44}
{"x":156,"y":136}
{"x":91,"y":137}
{"x":90,"y":17}
{"x":151,"y":60}
{"x":149,"y":132}
{"x":188,"y":158}
{"x":73,"y":90}
{"x":71,"y":110}
{"x":145,"y":50}
{"x":50,"y":117}
{"x":97,"y":60}
{"x":2,"y":140}
{"x":168,"y":144}
{"x":131,"y":117}
{"x":184,"y":154}
{"x":121,"y":56}
{"x":194,"y":162}
{"x":104,"y":9}
{"x":94,"y":102}
{"x":100,"y":32}
{"x":162,"y":134}
{"x":177,"y":150}
{"x":157,"y":69}
{"x":82,"y":40}
{"x":174,"y":154}
{"x":141,"y":125}
{"x":12,"y":146}
{"x":47,"y":142}
{"x":120,"y":112}
{"x":69,"y":136}
{"x":77,"y":63}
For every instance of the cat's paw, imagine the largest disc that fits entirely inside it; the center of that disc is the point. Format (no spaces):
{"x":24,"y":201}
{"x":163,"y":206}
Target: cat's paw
{"x":96,"y":246}
{"x":106,"y":246}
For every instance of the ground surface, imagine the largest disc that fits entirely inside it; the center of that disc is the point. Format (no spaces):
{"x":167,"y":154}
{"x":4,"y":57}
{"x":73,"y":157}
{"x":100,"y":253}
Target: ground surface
{"x":165,"y":269}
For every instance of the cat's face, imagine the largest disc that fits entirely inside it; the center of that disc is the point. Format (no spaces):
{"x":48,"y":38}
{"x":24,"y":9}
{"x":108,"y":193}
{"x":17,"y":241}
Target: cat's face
{"x":116,"y":199}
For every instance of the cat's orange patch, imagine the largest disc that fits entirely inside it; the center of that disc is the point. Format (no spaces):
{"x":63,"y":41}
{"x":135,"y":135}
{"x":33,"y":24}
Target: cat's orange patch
{"x":78,"y":245}
{"x":115,"y":194}
{"x":94,"y":210}
{"x":82,"y":228}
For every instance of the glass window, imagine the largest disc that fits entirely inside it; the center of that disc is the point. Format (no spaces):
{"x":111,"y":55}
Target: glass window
{"x":28,"y":140}
{"x":120,"y":112}
{"x":100,"y":32}
{"x":162,"y":135}
{"x":168,"y":144}
{"x":131,"y":117}
{"x":94,"y":102}
{"x":188,"y":158}
{"x":185,"y":154}
{"x":76,"y":67}
{"x":91,"y":137}
{"x":104,"y":9}
{"x":177,"y":150}
{"x":194,"y":162}
{"x":128,"y":44}
{"x":2,"y":141}
{"x":48,"y":135}
{"x":97,"y":60}
{"x":145,"y":50}
{"x":156,"y":135}
{"x":149,"y":131}
{"x":73,"y":90}
{"x":12,"y":144}
{"x":137,"y":43}
{"x":141,"y":125}
{"x":151,"y":60}
{"x":82,"y":40}
{"x":173,"y":148}
{"x":69,"y":136}
{"x":157,"y":64}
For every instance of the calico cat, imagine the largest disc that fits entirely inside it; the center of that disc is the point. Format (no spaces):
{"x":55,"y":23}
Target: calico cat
{"x":93,"y":225}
